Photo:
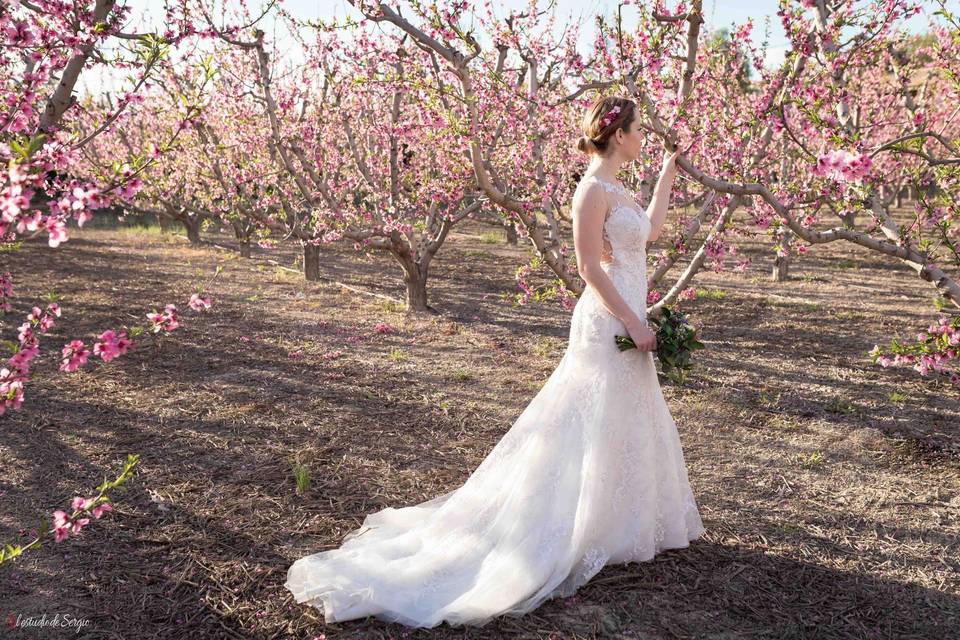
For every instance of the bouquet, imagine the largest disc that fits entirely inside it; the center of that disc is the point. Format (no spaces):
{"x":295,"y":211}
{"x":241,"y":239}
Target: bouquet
{"x":676,"y":341}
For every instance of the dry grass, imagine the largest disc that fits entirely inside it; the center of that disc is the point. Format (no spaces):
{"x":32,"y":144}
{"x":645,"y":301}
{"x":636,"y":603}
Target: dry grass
{"x":829,"y":487}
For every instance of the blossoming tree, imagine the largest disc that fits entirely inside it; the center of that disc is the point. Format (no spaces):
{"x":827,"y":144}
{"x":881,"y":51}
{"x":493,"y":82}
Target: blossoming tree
{"x":792,"y":149}
{"x":357,"y":135}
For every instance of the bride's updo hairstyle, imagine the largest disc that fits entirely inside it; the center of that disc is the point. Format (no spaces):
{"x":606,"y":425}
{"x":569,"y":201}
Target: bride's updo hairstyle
{"x":601,"y":121}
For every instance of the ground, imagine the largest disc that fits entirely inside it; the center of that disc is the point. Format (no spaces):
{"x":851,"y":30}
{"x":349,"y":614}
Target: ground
{"x":829,"y":487}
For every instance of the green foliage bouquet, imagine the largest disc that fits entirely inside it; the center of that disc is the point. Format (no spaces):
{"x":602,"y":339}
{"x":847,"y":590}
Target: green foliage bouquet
{"x":676,"y":342}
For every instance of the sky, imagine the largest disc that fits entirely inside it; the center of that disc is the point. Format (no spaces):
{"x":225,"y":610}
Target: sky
{"x":717,"y":13}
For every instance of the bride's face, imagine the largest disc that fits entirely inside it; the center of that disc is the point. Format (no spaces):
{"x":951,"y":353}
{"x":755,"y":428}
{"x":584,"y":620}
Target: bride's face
{"x":631,"y":141}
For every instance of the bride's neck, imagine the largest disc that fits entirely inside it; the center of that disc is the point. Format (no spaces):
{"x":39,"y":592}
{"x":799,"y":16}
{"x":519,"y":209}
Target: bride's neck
{"x":604,"y":167}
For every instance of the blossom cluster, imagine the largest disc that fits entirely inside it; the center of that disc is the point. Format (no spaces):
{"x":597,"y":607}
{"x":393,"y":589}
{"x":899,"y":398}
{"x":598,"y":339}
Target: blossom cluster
{"x":843,"y":166}
{"x":64,"y":525}
{"x":933,"y":351}
{"x":108,"y":345}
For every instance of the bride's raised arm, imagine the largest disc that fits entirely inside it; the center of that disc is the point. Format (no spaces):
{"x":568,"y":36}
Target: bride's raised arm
{"x":657,"y":209}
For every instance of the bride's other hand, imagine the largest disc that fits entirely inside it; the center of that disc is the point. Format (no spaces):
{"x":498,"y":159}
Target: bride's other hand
{"x":642,"y":336}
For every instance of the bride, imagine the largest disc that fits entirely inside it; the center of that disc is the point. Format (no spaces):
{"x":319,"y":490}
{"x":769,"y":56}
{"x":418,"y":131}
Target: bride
{"x":591,"y":473}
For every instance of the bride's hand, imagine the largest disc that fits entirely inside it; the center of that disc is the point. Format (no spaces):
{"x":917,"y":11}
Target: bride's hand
{"x":642,"y":336}
{"x":670,"y":161}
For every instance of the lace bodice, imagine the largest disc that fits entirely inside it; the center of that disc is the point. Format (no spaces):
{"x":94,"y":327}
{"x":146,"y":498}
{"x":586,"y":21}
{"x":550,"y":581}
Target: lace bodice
{"x":626,"y":227}
{"x":626,"y":230}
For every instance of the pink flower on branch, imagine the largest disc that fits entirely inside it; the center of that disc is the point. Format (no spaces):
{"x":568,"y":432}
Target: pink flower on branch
{"x":166,"y":321}
{"x":11,"y":390}
{"x":843,"y":166}
{"x":61,"y":525}
{"x":109,"y":345}
{"x":199,"y":302}
{"x":75,"y":355}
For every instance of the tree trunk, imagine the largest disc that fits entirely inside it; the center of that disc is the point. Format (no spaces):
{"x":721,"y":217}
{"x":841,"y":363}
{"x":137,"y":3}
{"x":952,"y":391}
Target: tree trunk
{"x":311,"y":261}
{"x":781,"y":263}
{"x":415,"y":278}
{"x":781,"y":268}
{"x":164,"y":222}
{"x":243,"y":239}
{"x":193,"y":229}
{"x":511,"y":229}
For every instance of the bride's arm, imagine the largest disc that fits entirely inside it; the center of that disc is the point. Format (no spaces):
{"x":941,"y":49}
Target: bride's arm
{"x":589,"y":211}
{"x":657,"y":209}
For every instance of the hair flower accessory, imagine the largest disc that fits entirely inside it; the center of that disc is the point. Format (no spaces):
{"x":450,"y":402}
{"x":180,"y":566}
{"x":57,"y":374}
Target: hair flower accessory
{"x":609,"y":117}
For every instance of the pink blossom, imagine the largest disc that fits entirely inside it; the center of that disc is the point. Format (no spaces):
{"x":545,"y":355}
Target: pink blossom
{"x":198,"y":302}
{"x":57,"y":231}
{"x":45,"y":323}
{"x":100,"y":509}
{"x":29,"y":222}
{"x":843,"y":166}
{"x":19,"y":34}
{"x":21,"y":359}
{"x":61,"y":525}
{"x":166,"y":321}
{"x":74,"y":355}
{"x":109,"y":345}
{"x":383,"y":327}
{"x":79,"y":502}
{"x":26,"y":336}
{"x":11,"y":390}
{"x":131,"y":188}
{"x":80,"y":523}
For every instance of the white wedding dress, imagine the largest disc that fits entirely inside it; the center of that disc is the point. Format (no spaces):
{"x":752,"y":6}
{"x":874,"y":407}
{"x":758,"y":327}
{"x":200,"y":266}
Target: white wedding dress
{"x":591,"y":473}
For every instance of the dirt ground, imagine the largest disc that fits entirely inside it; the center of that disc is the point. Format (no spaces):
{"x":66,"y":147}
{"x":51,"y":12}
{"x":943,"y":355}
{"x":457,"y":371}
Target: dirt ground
{"x":829,"y":487}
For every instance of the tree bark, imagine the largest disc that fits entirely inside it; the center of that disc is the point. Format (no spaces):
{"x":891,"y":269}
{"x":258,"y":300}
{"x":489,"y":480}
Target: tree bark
{"x":781,"y":263}
{"x":311,"y":262}
{"x":243,"y":239}
{"x":415,"y":280}
{"x":781,"y":268}
{"x":511,"y":229}
{"x":63,"y":97}
{"x":193,"y":229}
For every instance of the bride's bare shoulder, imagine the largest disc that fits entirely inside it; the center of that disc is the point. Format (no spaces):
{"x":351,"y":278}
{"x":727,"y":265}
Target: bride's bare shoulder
{"x":589,"y":193}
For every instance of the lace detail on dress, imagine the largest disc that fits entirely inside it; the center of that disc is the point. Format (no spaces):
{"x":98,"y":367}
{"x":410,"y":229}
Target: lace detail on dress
{"x":625,"y":227}
{"x":609,"y":187}
{"x":593,"y":560}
